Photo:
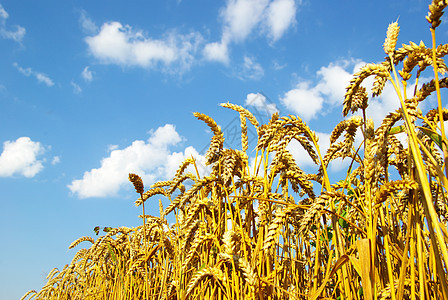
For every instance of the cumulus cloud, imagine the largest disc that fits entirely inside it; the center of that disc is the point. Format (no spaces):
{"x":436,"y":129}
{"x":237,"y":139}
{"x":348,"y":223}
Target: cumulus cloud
{"x":122,"y":45}
{"x":241,"y":18}
{"x":333,"y":81}
{"x":41,"y":77}
{"x":152,"y":160}
{"x":308,"y":100}
{"x":304,"y":101}
{"x":20,"y":157}
{"x":15,"y":34}
{"x":86,"y":74}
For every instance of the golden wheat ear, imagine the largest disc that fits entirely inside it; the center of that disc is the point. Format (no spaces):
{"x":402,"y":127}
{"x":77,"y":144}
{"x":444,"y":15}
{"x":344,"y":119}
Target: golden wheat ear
{"x":435,"y":12}
{"x":137,"y":182}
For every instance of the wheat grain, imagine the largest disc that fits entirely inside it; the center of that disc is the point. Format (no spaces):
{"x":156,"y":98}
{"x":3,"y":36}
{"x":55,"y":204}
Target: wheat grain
{"x":209,"y":121}
{"x":161,"y":184}
{"x":28,"y":293}
{"x":244,"y":138}
{"x":366,"y":71}
{"x":149,"y":193}
{"x":137,"y":182}
{"x":391,"y":39}
{"x":393,"y":186}
{"x":274,"y":228}
{"x":435,"y":12}
{"x":312,"y":215}
{"x":205,"y":271}
{"x":216,"y":146}
{"x":176,"y":183}
{"x":247,"y":114}
{"x":199,"y":240}
{"x":81,"y":239}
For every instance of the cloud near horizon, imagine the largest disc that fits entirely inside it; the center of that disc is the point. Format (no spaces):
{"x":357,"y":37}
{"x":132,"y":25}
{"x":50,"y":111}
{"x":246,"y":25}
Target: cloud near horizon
{"x":153,"y":160}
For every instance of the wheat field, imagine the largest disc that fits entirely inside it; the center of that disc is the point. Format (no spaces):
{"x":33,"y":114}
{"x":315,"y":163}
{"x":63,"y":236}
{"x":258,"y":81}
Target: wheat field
{"x":262,"y":228}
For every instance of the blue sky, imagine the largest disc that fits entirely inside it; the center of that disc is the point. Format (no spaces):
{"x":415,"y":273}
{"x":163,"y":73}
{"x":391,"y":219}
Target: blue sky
{"x":93,"y":90}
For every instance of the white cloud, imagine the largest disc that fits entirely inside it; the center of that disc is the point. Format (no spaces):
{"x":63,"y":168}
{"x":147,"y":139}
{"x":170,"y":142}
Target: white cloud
{"x":304,"y":101}
{"x":280,"y":16}
{"x":333,"y":82}
{"x":76,"y":88}
{"x":21,"y":157}
{"x":251,"y":69}
{"x":217,"y":51}
{"x":122,"y":45}
{"x":87,"y":74}
{"x":309,"y":100}
{"x":41,"y":77}
{"x":241,"y":18}
{"x":17,"y":34}
{"x":259,"y":101}
{"x":152,"y":160}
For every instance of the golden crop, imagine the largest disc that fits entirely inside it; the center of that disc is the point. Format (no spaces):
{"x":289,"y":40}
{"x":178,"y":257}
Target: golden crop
{"x":269,"y":230}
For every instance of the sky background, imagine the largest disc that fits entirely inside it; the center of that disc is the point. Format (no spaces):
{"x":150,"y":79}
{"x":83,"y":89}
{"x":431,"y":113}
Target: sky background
{"x":93,"y":90}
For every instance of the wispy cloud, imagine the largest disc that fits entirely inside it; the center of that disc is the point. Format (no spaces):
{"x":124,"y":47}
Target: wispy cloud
{"x":56,"y":160}
{"x":152,"y":160}
{"x":41,"y":77}
{"x":20,"y":157}
{"x":250,"y":69}
{"x":86,"y":74}
{"x":87,"y":25}
{"x":76,"y":88}
{"x":16,"y":34}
